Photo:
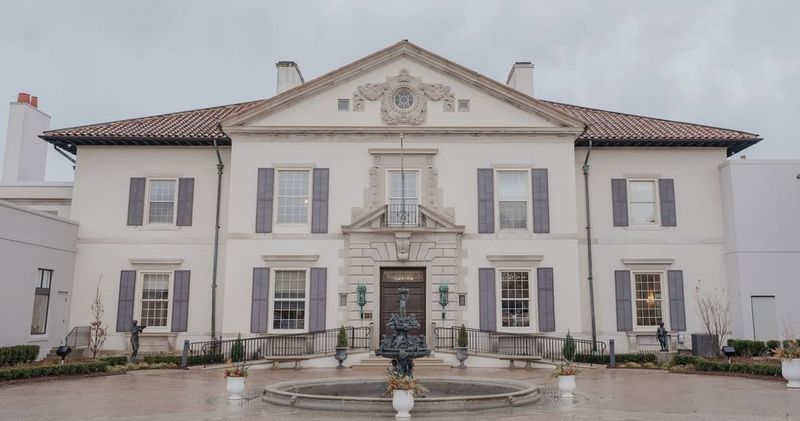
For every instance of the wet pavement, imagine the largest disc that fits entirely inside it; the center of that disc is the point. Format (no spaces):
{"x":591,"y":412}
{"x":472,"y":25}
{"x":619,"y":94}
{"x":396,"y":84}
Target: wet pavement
{"x":199,"y":394}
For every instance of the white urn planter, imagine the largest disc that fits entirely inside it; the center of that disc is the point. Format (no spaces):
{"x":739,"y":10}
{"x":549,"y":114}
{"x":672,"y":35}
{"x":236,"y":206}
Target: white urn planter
{"x":235,"y":387}
{"x":403,"y":402}
{"x":790,"y":369}
{"x":566,"y":385}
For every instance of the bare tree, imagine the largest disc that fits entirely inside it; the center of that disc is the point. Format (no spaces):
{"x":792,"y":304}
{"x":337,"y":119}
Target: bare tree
{"x":97,"y":331}
{"x":714,"y":311}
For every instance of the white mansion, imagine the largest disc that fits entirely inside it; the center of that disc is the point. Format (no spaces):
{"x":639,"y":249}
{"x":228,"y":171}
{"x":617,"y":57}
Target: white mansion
{"x":485,"y":202}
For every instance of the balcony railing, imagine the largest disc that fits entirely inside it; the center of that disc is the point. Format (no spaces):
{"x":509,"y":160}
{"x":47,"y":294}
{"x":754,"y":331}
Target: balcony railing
{"x":398,"y":214}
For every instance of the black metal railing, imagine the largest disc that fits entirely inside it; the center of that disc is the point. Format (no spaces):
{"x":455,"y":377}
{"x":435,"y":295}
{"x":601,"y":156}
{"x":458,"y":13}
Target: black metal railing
{"x":398,"y":214}
{"x":295,"y":344}
{"x":492,"y":342}
{"x":78,"y":337}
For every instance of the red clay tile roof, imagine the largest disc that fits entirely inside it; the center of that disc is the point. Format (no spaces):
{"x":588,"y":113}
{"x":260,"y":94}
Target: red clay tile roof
{"x":200,"y":127}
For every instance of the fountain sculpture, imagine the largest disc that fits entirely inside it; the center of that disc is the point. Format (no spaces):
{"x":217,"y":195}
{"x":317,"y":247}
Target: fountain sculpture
{"x":401,"y":347}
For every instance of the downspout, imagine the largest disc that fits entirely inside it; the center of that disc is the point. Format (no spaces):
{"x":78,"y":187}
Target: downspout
{"x":220,"y":167}
{"x":589,"y":244}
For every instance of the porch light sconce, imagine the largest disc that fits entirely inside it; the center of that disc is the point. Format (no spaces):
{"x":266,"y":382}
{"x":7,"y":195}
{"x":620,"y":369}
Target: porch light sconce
{"x":443,"y":299}
{"x":361,"y":291}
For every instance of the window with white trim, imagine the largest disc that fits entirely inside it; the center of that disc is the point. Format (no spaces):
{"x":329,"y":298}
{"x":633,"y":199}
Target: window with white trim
{"x":647,"y":289}
{"x":293,"y":200}
{"x":289,"y":300}
{"x":398,"y":213}
{"x":512,"y":198}
{"x":154,"y":300}
{"x":642,"y":202}
{"x":515,"y":300}
{"x":161,"y":201}
{"x":41,"y":302}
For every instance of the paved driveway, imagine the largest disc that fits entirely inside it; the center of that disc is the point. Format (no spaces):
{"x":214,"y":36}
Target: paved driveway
{"x":199,"y":394}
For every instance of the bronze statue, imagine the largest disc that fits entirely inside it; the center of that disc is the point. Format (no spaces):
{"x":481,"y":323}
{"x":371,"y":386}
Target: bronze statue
{"x":135,"y":331}
{"x":661,"y":334}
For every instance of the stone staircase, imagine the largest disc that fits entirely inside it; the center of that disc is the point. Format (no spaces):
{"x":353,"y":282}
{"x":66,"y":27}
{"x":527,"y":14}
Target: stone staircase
{"x":381,"y":362}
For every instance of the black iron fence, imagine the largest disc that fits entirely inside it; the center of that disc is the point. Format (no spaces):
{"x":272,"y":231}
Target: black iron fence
{"x":492,"y":342}
{"x":295,"y":344}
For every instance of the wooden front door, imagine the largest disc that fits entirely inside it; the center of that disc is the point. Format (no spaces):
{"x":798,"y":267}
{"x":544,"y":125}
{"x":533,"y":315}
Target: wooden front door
{"x":391,"y":280}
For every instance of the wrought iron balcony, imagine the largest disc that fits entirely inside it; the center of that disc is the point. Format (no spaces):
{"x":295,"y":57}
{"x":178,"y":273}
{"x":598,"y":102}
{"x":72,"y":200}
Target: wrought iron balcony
{"x":399,"y":215}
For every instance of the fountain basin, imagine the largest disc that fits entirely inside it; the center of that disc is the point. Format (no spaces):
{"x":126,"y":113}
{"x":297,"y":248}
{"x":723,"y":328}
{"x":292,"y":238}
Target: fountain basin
{"x":365,"y":394}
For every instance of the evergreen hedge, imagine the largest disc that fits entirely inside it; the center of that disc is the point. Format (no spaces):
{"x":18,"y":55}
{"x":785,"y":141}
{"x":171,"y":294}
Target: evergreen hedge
{"x":11,"y":355}
{"x":192,"y":360}
{"x":52,"y":370}
{"x":640,"y":358}
{"x":702,"y":364}
{"x":748,"y":348}
{"x":114,"y":360}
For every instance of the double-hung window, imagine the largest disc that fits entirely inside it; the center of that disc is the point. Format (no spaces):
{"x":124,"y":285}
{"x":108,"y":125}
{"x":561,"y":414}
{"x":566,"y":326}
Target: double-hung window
{"x":403,"y":208}
{"x":289,"y":300}
{"x":515,"y":300}
{"x":154,"y":307}
{"x":41,"y":302}
{"x":293,"y":199}
{"x":512,"y":196}
{"x":161,"y":201}
{"x":643,"y":202}
{"x":649,"y":298}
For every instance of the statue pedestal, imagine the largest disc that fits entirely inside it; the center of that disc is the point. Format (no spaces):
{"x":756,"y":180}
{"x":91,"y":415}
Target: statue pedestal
{"x":664,"y":357}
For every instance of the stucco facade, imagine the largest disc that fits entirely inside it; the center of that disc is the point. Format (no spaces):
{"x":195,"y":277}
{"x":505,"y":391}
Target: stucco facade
{"x":37,"y":254}
{"x":498,"y":212}
{"x":762,"y":251}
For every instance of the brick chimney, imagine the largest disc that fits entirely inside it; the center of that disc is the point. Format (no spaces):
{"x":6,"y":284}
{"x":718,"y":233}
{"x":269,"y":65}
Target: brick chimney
{"x":521,"y":77}
{"x":25,"y":154}
{"x":289,"y":76}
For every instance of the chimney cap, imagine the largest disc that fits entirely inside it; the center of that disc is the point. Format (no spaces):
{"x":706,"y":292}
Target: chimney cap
{"x":286,"y":63}
{"x":24,"y":97}
{"x":523,"y":64}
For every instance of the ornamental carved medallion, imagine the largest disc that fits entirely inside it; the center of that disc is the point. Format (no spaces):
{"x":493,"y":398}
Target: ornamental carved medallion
{"x":404,"y":98}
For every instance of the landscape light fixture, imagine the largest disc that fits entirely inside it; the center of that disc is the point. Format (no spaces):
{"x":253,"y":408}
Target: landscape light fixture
{"x":443,"y":299}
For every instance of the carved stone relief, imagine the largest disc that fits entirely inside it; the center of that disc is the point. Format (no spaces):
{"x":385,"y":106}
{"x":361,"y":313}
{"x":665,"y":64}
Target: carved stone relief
{"x":404,"y":98}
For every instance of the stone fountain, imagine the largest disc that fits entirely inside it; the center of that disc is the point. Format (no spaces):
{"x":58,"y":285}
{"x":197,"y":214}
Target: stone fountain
{"x":364,"y":394}
{"x":401,"y":347}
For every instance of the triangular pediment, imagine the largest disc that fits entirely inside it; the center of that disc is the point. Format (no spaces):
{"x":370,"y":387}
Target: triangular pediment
{"x":379,"y":220}
{"x":371,"y":85}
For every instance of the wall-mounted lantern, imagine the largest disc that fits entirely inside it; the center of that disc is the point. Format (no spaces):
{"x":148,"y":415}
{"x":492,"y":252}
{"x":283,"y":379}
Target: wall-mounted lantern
{"x":443,"y":299}
{"x":361,"y":291}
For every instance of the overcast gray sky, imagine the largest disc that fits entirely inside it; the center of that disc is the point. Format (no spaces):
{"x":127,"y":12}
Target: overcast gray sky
{"x":734,"y":64}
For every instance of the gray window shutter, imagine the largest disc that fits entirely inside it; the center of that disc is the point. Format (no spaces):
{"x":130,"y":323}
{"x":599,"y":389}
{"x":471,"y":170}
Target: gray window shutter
{"x":485,"y":200}
{"x":136,"y":201}
{"x":488,"y":299}
{"x":619,"y":201}
{"x":546,"y":299}
{"x":127,"y":294}
{"x":622,"y":280}
{"x":666,"y":194}
{"x":317,"y":291}
{"x":677,"y":310}
{"x":259,"y":307}
{"x":319,"y":202}
{"x":541,"y":201}
{"x":185,"y":202}
{"x":266,"y":180}
{"x":180,"y":301}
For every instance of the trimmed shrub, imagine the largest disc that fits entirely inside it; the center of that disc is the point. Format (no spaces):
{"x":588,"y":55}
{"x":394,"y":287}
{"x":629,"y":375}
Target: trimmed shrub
{"x":747,"y":348}
{"x":52,"y":370}
{"x":114,"y":360}
{"x":684,"y":360}
{"x":10,"y":355}
{"x":192,"y":360}
{"x":568,"y":350}
{"x":341,"y":338}
{"x":462,"y":336}
{"x":237,"y":350}
{"x":773,"y":345}
{"x":639,"y":358}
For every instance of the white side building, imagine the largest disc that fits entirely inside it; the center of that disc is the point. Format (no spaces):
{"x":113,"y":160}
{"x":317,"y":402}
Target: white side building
{"x":762,"y":249}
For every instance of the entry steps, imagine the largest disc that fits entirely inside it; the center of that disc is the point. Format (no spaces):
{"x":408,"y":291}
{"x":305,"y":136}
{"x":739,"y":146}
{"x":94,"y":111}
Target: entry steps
{"x":374,"y":361}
